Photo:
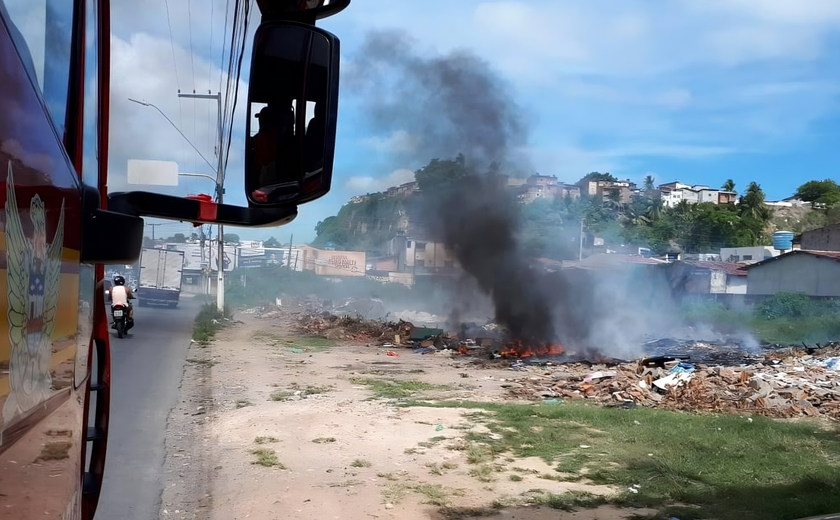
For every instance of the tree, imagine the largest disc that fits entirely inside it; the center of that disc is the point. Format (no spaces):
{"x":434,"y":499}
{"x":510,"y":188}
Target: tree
{"x":826,"y":191}
{"x":752,"y":204}
{"x":729,"y":185}
{"x":441,"y":175}
{"x":230,"y":238}
{"x":178,"y":238}
{"x":148,"y":243}
{"x":597,"y":176}
{"x":647,"y":184}
{"x":271,"y":242}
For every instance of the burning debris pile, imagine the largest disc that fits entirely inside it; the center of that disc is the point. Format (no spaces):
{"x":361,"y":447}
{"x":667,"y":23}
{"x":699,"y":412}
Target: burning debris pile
{"x":784,"y":383}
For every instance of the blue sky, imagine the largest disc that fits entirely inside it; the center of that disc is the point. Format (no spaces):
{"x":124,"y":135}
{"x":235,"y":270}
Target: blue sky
{"x":685,"y":90}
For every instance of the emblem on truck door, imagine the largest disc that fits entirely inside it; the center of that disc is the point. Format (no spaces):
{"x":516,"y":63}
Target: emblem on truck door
{"x":33,"y":270}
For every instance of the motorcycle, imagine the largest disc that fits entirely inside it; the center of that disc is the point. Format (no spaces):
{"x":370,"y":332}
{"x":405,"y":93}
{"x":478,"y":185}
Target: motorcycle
{"x":122,"y":321}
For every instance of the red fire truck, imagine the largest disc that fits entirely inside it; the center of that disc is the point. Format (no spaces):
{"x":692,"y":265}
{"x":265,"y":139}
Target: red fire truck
{"x":61,"y":225}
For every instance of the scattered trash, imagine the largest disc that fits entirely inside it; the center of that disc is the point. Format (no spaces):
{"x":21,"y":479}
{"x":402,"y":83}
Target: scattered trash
{"x":439,"y":427}
{"x":683,"y":368}
{"x":391,"y":353}
{"x":599,"y":375}
{"x":295,"y":350}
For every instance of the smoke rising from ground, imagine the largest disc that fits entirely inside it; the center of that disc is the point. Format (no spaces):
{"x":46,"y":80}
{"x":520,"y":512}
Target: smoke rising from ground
{"x":439,"y":106}
{"x":449,"y":105}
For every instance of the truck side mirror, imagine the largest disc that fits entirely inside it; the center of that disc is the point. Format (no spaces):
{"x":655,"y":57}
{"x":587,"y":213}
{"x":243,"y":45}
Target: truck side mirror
{"x":293,"y":89}
{"x":293,"y":102}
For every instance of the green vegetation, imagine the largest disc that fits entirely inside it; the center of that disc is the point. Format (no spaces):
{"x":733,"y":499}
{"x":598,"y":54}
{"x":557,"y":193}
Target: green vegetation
{"x":323,"y":440}
{"x":784,"y":318}
{"x":549,"y":228}
{"x":208,"y":322}
{"x":296,"y":390}
{"x":267,"y":457}
{"x":361,"y":463}
{"x":390,"y":389}
{"x":265,"y":439}
{"x":688,"y":466}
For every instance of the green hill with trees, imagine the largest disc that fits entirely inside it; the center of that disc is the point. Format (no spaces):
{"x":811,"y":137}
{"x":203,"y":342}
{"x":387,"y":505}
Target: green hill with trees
{"x":550,"y":228}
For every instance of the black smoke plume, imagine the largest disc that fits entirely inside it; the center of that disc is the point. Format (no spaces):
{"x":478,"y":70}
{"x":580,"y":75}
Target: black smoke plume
{"x":452,"y":104}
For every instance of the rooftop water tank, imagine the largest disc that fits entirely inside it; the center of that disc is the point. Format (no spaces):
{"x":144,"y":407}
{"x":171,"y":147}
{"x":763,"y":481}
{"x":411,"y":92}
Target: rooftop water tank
{"x":783,"y":240}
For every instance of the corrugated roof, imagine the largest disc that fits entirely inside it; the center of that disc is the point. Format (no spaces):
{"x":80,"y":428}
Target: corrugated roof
{"x":727,"y":267}
{"x":608,"y":261}
{"x":832,"y":255}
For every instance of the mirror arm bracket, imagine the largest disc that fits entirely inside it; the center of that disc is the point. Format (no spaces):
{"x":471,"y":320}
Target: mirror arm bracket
{"x":197,"y":210}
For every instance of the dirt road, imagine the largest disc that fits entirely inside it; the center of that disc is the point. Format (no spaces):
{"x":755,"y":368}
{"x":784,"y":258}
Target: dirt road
{"x":271,"y":425}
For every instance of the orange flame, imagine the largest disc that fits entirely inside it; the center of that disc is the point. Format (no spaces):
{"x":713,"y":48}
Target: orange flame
{"x":518,"y":349}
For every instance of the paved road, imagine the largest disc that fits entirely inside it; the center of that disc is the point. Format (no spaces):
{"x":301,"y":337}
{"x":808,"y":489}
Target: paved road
{"x":146,"y":373}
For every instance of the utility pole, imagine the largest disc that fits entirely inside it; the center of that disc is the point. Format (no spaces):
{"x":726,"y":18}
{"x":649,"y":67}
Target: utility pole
{"x":220,"y":179}
{"x":580,"y":242}
{"x":290,"y":251}
{"x":153,"y":226}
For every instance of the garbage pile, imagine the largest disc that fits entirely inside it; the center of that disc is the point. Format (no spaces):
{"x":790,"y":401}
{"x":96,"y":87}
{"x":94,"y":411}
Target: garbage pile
{"x":783,"y":383}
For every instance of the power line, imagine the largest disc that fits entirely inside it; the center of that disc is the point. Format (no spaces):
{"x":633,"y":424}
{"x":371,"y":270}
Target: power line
{"x":172,"y":45}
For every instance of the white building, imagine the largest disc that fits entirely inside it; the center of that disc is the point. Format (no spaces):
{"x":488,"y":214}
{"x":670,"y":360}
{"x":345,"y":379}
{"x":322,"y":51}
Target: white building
{"x":675,"y":192}
{"x":748,"y":254}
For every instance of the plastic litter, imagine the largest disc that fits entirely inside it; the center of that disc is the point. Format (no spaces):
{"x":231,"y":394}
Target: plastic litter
{"x":683,"y":368}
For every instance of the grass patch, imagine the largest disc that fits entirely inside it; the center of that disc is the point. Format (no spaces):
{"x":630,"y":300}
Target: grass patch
{"x":391,"y":389}
{"x":323,"y":440}
{"x":479,"y":453}
{"x":203,"y":362}
{"x":456,"y":513}
{"x":267,"y":457}
{"x":208,"y":322}
{"x":516,"y":478}
{"x":439,"y":469}
{"x":436,"y":494}
{"x":723,"y":466}
{"x":361,"y":463}
{"x":302,"y":343}
{"x":394,"y":493}
{"x":265,"y":440}
{"x":242,"y":403}
{"x":483,"y":473}
{"x":570,"y":500}
{"x":299,"y":391}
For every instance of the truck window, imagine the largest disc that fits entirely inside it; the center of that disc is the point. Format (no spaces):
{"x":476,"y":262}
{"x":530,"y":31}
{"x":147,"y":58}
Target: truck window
{"x":44,"y":36}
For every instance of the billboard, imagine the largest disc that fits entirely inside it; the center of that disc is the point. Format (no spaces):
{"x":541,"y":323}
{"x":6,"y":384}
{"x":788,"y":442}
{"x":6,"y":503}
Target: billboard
{"x":261,"y":257}
{"x":196,"y":259}
{"x":334,"y":263}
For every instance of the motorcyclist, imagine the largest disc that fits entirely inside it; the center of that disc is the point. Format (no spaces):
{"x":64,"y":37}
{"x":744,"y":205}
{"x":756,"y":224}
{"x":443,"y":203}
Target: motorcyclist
{"x":121,"y":294}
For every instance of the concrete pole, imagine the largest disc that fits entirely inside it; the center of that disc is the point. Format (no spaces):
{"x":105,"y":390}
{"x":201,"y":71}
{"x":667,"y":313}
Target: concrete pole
{"x":220,"y":179}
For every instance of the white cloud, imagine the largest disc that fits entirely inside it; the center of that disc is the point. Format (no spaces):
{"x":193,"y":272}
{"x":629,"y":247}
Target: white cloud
{"x":363,"y":184}
{"x":399,"y":141}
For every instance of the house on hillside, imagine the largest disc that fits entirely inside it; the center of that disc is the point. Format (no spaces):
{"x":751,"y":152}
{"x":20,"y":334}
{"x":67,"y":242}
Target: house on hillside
{"x":625,"y":189}
{"x":815,"y":273}
{"x":673,"y":193}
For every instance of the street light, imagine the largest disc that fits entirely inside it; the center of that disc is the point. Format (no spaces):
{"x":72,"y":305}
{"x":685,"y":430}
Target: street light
{"x":147,"y":104}
{"x":219,"y":180}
